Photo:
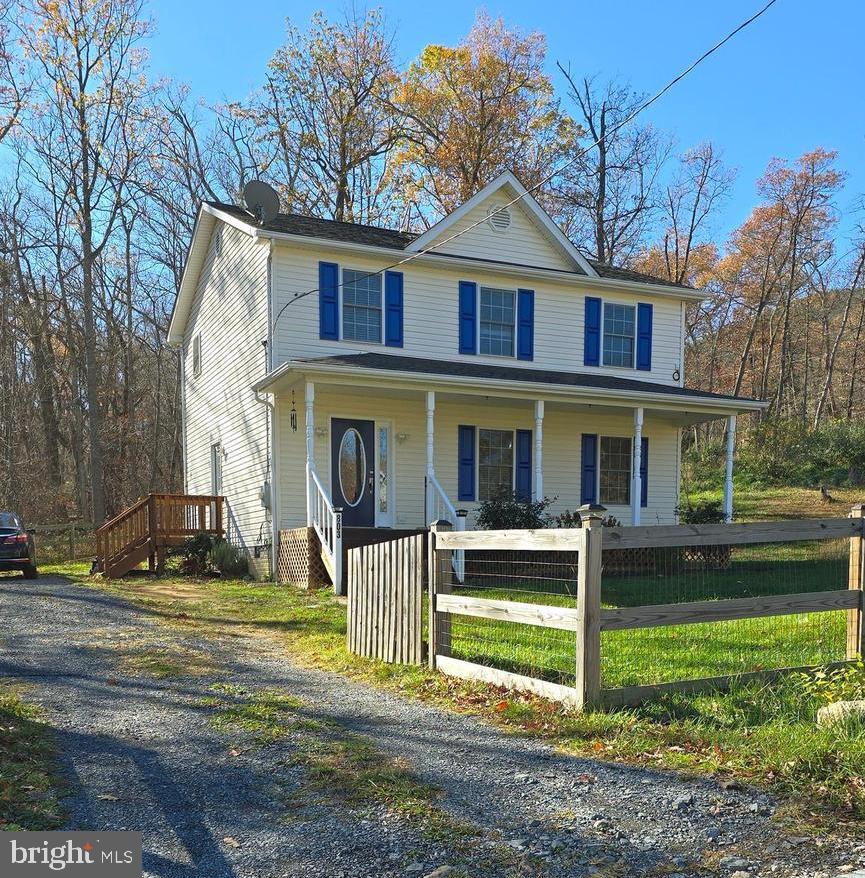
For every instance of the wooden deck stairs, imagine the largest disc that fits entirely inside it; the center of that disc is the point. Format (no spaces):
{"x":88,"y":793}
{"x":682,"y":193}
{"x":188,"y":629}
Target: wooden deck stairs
{"x":148,"y":528}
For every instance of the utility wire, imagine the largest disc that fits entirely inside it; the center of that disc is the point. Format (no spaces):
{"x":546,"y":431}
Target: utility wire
{"x":628,"y":119}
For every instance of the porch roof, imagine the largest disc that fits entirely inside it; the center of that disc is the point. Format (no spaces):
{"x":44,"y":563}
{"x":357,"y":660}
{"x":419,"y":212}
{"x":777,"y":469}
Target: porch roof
{"x":484,"y":375}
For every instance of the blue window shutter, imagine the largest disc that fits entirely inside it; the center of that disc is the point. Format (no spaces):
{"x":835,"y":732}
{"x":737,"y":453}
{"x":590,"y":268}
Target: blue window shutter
{"x":525,"y":324}
{"x":468,"y":317}
{"x":393,"y":309}
{"x":644,"y":471}
{"x":524,"y":465}
{"x":466,"y":460}
{"x":592,"y":332}
{"x":328,"y":300}
{"x":589,"y":461}
{"x":644,"y":337}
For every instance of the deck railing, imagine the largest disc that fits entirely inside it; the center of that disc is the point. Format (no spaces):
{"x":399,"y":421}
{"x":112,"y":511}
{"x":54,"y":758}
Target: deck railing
{"x":157,"y":521}
{"x":327,"y":521}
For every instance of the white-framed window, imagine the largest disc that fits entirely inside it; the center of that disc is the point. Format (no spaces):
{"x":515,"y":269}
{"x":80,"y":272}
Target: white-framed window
{"x":615,"y":471}
{"x":196,"y":354}
{"x":498,"y":321}
{"x":495,"y":462}
{"x":620,"y":332}
{"x":361,"y":306}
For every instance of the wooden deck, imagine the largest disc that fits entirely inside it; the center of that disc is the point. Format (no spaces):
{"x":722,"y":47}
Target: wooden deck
{"x":152,"y":525}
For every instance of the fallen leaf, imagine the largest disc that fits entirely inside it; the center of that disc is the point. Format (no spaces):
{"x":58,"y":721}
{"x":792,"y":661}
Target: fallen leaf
{"x":112,"y":681}
{"x":234,"y":752}
{"x":502,"y":705}
{"x":231,"y":842}
{"x":108,"y":797}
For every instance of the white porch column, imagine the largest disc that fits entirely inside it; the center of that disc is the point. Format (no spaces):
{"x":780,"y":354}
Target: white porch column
{"x":430,"y":431}
{"x":539,"y":449}
{"x":637,"y":479}
{"x":728,"y":481}
{"x":310,"y":447}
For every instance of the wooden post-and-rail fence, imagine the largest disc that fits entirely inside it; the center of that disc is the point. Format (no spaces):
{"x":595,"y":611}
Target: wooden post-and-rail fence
{"x":588,"y":619}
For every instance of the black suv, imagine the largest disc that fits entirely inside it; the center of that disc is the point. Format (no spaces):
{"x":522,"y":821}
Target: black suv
{"x":17,"y":551}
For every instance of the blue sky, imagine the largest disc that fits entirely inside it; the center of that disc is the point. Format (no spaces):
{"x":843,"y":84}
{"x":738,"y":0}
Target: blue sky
{"x":792,"y":81}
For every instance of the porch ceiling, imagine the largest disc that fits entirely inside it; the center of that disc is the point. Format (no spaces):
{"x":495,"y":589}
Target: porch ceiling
{"x":408,"y":377}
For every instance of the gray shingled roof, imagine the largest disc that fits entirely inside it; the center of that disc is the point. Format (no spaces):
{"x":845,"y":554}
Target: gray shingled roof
{"x":483,"y":371}
{"x":315,"y":227}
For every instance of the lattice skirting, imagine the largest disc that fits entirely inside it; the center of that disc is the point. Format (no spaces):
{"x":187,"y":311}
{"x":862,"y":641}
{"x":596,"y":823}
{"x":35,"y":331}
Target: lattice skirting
{"x":299,"y":558}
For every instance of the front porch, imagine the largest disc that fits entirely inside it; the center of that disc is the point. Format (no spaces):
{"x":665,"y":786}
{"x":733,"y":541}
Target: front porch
{"x":373,"y":450}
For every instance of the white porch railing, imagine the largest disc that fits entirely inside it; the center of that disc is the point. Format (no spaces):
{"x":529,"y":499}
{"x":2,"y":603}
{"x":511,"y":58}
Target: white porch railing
{"x":439,"y":507}
{"x":327,"y":522}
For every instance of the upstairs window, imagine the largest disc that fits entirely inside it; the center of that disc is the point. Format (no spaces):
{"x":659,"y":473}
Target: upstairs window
{"x":615,"y":470}
{"x":497,"y":322}
{"x":619,"y":335}
{"x":361,"y":306}
{"x":196,"y":354}
{"x":495,"y":462}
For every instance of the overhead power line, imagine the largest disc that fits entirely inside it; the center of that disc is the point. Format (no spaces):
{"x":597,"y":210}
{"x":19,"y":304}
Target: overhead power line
{"x":543,"y":182}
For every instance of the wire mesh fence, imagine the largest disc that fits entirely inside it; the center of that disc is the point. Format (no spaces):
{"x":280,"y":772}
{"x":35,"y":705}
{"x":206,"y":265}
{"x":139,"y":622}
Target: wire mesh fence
{"x":68,"y":541}
{"x":674,"y":575}
{"x":652,"y":606}
{"x":532,"y":577}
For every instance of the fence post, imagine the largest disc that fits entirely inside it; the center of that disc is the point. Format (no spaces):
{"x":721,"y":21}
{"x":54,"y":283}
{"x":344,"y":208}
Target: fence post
{"x":855,"y":628}
{"x":588,"y":671}
{"x":438,"y":625}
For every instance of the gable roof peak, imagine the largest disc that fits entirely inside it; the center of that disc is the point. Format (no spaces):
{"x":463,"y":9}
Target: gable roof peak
{"x":452,"y":222}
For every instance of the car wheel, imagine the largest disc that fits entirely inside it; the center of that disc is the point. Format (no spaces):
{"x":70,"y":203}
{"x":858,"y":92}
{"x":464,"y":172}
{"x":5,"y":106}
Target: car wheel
{"x":30,"y":571}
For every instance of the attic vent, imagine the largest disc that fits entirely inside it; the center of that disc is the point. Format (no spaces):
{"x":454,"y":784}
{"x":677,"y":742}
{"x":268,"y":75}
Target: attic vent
{"x":499,"y":219}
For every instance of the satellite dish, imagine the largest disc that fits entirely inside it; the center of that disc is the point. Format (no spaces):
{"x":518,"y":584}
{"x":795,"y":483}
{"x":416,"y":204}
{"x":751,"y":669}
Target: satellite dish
{"x":261,"y":200}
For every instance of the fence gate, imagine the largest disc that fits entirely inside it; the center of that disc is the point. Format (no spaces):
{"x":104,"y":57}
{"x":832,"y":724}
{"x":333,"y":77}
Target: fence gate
{"x":385,"y":594}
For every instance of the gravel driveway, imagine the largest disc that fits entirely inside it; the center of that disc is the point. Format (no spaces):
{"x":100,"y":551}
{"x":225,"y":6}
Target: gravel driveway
{"x":143,"y":754}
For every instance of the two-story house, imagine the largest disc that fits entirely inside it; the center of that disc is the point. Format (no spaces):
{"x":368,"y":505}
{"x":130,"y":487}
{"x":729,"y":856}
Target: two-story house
{"x":329,"y":366}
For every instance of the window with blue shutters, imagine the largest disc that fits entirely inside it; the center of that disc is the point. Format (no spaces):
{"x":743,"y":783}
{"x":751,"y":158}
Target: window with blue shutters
{"x":465,"y":462}
{"x":525,"y":324}
{"x":589,"y":464}
{"x":393,"y":321}
{"x":328,"y":300}
{"x":361,"y":305}
{"x":468,"y":316}
{"x":592,"y":332}
{"x":644,"y":337}
{"x":619,"y":333}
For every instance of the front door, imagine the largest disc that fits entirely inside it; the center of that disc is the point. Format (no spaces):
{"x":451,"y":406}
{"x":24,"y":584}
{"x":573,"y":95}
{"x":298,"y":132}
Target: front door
{"x":352,"y":467}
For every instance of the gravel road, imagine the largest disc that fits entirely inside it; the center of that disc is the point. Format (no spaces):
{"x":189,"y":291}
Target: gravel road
{"x":142,"y":754}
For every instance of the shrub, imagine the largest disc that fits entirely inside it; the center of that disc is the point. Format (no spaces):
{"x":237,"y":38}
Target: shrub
{"x":572,"y":519}
{"x":505,"y":511}
{"x":195,"y":552}
{"x":228,"y":560}
{"x":701,"y":512}
{"x":827,"y":687}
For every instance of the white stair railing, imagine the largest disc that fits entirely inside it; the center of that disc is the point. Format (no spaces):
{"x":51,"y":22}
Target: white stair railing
{"x":327,"y":521}
{"x":439,"y":507}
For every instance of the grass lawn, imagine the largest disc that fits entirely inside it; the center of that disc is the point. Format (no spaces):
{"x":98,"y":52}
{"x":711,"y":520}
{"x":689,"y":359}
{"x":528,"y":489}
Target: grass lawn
{"x":765,"y":734}
{"x":28,"y":772}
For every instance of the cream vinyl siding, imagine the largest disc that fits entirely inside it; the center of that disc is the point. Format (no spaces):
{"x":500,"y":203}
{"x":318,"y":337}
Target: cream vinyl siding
{"x":430,"y":316}
{"x":524,"y":242}
{"x":407,"y":414}
{"x":230,"y":315}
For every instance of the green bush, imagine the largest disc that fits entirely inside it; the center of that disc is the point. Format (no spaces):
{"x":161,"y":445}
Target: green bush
{"x":228,"y":560}
{"x":505,"y":511}
{"x":827,"y":686}
{"x":701,"y":512}
{"x":783,"y":452}
{"x":703,"y":465}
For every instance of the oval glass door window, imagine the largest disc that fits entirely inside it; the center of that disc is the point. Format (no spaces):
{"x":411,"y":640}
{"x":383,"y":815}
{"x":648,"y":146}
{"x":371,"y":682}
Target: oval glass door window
{"x":352,"y":467}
